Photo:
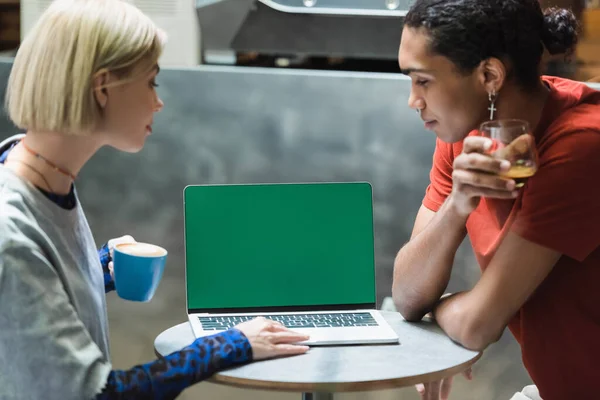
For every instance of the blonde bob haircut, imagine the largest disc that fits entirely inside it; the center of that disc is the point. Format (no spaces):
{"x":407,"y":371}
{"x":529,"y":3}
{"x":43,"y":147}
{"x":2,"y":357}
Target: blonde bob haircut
{"x":51,"y":85}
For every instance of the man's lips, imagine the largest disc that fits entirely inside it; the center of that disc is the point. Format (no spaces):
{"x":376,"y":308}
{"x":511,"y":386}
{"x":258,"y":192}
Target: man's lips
{"x":429,"y":123}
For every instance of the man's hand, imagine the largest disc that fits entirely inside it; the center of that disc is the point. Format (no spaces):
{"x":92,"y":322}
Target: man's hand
{"x":439,"y":390}
{"x":476,"y":174}
{"x":430,"y":314}
{"x":517,"y":149}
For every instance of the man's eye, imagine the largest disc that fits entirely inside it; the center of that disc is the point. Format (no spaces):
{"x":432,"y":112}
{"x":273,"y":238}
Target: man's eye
{"x":421,"y":82}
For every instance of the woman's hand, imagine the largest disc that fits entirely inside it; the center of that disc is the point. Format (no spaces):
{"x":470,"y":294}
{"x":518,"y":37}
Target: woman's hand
{"x":111,"y":246}
{"x":271,"y":339}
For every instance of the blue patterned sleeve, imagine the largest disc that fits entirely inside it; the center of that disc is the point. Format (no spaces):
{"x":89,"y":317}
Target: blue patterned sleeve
{"x":104,"y":254}
{"x":167,"y":377}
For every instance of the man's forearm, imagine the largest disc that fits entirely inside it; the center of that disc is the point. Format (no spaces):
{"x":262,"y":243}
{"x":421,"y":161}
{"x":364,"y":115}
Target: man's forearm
{"x":460,"y":316}
{"x":422,"y":267}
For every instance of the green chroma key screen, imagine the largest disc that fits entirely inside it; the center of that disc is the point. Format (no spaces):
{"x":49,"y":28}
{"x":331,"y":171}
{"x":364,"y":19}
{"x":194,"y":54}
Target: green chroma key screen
{"x":277,"y":245}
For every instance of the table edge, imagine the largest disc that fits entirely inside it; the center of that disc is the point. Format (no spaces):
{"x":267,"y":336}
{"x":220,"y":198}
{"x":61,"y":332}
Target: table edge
{"x":336,"y":387}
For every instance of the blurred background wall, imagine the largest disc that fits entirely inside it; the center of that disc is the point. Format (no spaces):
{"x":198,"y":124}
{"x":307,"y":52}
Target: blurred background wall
{"x":222,"y":125}
{"x":273,"y":91}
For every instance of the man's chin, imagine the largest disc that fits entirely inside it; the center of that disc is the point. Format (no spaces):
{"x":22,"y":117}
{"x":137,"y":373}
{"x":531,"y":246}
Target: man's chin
{"x":448,"y":137}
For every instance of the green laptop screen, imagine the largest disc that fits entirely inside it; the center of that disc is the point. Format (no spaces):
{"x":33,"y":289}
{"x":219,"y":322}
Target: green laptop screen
{"x":279,"y":245}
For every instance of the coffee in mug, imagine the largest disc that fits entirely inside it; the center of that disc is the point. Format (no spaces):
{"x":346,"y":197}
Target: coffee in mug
{"x":141,"y":249}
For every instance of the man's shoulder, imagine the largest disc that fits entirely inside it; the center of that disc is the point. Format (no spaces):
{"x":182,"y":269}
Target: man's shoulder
{"x":579,"y":118}
{"x":572,"y":119}
{"x":575,"y":106}
{"x":576,"y":91}
{"x":576,"y":134}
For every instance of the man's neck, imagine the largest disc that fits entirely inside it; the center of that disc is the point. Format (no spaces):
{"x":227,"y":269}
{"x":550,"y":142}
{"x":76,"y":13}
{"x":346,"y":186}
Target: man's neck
{"x":516,"y":103}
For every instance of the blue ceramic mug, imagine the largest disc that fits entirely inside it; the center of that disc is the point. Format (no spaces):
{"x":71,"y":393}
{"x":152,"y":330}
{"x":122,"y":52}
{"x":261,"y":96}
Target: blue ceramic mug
{"x":138,"y":268}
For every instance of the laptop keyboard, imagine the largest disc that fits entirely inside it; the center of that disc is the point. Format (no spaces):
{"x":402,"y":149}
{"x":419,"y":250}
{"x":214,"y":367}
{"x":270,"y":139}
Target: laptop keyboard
{"x":293,"y":321}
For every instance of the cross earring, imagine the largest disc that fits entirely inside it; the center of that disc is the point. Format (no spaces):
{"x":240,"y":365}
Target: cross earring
{"x":492,"y":98}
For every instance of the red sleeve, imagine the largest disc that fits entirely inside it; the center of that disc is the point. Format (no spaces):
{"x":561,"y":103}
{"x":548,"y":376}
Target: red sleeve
{"x":560,"y":207}
{"x":440,"y":177}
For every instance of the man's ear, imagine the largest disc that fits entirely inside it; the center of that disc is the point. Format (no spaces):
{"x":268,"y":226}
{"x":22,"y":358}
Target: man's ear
{"x":492,"y":74}
{"x":99,"y":86}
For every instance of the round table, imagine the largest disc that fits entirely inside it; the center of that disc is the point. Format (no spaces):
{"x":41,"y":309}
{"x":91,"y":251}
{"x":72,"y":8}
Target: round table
{"x":424,"y":354}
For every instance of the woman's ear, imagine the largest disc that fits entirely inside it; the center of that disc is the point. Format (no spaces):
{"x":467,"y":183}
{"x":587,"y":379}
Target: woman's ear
{"x":492,"y":74}
{"x":99,"y":86}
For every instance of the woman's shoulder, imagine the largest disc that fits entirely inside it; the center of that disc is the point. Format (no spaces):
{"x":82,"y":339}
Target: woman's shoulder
{"x":19,"y":226}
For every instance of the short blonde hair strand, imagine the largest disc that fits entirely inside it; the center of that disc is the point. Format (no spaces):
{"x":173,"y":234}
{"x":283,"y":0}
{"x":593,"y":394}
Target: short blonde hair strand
{"x":50,"y":85}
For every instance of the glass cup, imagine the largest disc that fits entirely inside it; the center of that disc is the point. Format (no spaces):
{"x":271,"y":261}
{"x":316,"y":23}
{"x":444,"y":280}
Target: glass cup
{"x":512,"y":141}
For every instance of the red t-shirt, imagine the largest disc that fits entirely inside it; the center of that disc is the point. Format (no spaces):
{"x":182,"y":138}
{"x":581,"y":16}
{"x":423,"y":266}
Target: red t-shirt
{"x":558,"y":328}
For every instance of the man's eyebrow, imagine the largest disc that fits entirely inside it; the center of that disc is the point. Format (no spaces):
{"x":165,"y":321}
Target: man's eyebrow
{"x":408,"y":71}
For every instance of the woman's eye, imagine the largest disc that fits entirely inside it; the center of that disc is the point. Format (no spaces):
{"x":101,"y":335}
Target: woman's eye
{"x":153,"y":84}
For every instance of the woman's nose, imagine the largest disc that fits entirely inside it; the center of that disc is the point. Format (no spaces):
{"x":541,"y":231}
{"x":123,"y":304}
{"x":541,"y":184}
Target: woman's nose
{"x":159,"y":104}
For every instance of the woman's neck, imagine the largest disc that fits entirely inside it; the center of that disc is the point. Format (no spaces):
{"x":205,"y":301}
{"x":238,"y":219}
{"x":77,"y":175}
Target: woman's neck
{"x":48,"y":159}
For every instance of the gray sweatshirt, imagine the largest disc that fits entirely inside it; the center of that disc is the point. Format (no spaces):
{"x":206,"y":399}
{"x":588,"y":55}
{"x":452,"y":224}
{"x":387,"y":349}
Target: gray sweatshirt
{"x":53,"y":322}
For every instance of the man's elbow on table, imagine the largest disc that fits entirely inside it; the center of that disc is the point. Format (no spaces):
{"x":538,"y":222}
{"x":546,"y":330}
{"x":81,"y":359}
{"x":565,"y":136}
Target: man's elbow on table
{"x":409,"y":305}
{"x":478,"y":338}
{"x":472,"y":329}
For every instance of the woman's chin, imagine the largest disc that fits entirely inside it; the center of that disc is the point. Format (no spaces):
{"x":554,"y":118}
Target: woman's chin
{"x":130,"y":147}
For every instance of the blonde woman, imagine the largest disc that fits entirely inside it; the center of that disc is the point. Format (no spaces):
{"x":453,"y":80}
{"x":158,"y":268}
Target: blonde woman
{"x":84,"y":78}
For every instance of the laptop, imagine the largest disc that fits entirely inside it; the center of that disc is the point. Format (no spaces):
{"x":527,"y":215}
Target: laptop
{"x":298,"y":253}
